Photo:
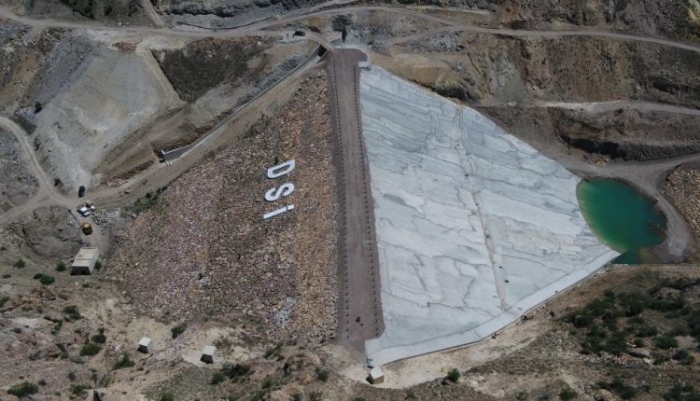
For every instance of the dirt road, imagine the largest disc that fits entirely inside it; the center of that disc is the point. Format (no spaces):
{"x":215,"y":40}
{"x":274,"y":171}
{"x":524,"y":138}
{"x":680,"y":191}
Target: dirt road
{"x":152,"y":14}
{"x":359,"y":308}
{"x":259,"y":28}
{"x":600,"y":107}
{"x":46,"y":194}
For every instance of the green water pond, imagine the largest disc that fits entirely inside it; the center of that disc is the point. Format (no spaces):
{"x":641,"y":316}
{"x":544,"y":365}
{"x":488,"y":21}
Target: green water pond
{"x":623,"y":218}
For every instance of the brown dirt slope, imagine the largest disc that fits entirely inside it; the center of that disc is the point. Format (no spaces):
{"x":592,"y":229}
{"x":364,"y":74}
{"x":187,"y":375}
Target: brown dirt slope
{"x":492,"y":73}
{"x":204,"y":249}
{"x":682,"y":187}
{"x":205,"y":64}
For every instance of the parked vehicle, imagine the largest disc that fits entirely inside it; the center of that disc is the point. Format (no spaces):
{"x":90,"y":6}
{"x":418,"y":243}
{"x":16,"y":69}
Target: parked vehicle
{"x":90,"y":205}
{"x":84,"y":211}
{"x":81,"y":191}
{"x":299,"y":33}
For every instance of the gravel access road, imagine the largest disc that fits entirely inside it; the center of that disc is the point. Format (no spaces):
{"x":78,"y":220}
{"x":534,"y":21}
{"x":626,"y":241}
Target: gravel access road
{"x":360,"y":315}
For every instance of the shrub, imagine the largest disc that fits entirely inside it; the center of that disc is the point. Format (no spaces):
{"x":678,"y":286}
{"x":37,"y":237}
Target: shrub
{"x":90,"y":349}
{"x":98,"y":265}
{"x":647,"y":331}
{"x":100,"y":337}
{"x":217,"y":378}
{"x":42,"y":382}
{"x":37,"y":276}
{"x":666,"y":342}
{"x":46,"y":279}
{"x":6,"y":275}
{"x":167,"y":397}
{"x":72,"y":312}
{"x":567,"y":394}
{"x":620,"y":388}
{"x":275,"y":351}
{"x":453,"y":375}
{"x":236,"y":371}
{"x":24,"y":389}
{"x":37,"y":107}
{"x":19,"y":263}
{"x":124,"y":361}
{"x":321,"y":374}
{"x":682,"y":393}
{"x":71,"y":376}
{"x":60,"y":266}
{"x":3,"y":301}
{"x":78,"y":389}
{"x":177,"y":330}
{"x":267,"y":383}
{"x":684,"y":357}
{"x":316,"y":396}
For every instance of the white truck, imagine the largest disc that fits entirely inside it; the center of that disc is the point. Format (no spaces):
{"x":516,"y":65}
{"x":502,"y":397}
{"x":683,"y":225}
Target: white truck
{"x":84,"y":211}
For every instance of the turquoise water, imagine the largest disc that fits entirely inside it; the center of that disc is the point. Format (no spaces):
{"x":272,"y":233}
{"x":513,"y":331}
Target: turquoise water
{"x":623,"y":218}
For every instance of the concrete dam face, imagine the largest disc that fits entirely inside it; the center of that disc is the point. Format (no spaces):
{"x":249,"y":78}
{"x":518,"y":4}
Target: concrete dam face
{"x":474,"y":227}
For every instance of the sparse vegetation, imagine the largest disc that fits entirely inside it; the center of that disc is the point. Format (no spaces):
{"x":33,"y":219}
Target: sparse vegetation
{"x":666,"y":342}
{"x":236,"y":371}
{"x":44,"y":279}
{"x":19,"y":264}
{"x":322,"y":374}
{"x":275,"y":351}
{"x":124,"y":361}
{"x":612,"y":322}
{"x":23,"y":389}
{"x":217,"y":378}
{"x":90,"y":349}
{"x":684,"y":357}
{"x":567,"y":394}
{"x":145,"y":203}
{"x":682,"y":393}
{"x":84,"y":7}
{"x":78,"y":389}
{"x":177,"y":330}
{"x":619,"y":387}
{"x":100,"y":337}
{"x":453,"y":376}
{"x":72,"y":313}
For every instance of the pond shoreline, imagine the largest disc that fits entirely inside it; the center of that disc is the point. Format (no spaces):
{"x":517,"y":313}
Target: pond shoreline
{"x":647,"y":178}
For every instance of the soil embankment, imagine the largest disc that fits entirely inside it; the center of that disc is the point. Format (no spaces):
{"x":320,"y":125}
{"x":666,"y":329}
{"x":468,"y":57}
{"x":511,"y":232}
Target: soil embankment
{"x":203,"y":248}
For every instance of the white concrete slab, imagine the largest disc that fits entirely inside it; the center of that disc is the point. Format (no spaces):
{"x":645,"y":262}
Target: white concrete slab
{"x":474,"y":227}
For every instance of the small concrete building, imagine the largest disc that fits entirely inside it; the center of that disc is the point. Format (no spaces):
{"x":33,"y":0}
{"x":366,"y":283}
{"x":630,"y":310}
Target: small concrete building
{"x":376,"y":376}
{"x":208,"y":354}
{"x":84,"y":262}
{"x":145,"y":345}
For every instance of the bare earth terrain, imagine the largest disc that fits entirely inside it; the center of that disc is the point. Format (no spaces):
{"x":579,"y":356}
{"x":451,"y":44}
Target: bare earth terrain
{"x":170,"y":112}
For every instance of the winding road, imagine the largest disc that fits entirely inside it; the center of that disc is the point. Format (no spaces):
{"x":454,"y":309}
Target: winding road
{"x":645,"y":175}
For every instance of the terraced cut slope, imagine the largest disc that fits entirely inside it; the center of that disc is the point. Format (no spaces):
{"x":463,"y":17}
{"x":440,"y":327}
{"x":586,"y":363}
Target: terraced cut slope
{"x":474,"y":227}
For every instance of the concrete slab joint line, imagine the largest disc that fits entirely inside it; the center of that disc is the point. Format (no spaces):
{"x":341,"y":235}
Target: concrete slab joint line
{"x":475,"y":227}
{"x":359,"y":300}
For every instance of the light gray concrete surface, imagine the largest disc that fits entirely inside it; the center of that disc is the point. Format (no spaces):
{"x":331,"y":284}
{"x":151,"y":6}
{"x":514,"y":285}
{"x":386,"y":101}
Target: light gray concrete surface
{"x":474,"y":227}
